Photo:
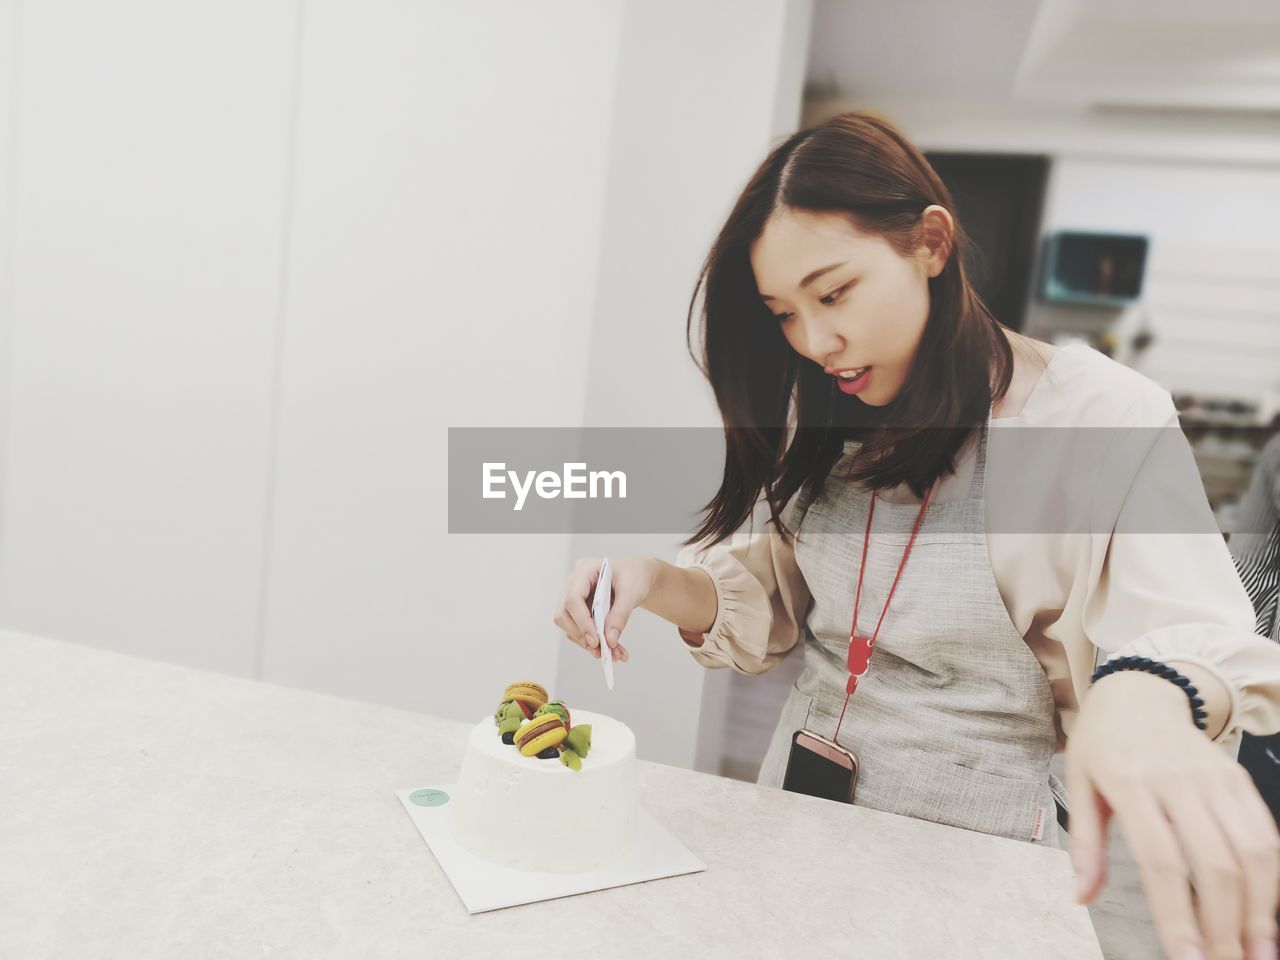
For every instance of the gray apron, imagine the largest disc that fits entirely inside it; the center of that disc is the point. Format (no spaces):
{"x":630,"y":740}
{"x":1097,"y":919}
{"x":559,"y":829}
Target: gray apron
{"x":954,"y":720}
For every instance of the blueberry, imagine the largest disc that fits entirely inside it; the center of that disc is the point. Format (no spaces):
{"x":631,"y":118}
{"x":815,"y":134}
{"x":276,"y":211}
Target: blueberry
{"x":549,"y":754}
{"x":509,"y":737}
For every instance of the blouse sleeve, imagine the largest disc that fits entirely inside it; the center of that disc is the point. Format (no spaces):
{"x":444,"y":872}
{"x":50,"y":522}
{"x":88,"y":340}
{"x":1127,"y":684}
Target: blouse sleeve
{"x":761,"y":600}
{"x":1167,"y":588}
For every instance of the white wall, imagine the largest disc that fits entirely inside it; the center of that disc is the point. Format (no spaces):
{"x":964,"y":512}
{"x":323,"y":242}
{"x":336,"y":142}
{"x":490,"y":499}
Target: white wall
{"x":447,"y":221}
{"x":9,"y":46}
{"x":694,"y":117}
{"x":264,"y":255}
{"x":146,"y":227}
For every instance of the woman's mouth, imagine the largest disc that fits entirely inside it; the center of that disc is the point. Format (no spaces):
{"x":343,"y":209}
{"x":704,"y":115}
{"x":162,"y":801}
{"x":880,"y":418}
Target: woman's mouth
{"x":853,"y":381}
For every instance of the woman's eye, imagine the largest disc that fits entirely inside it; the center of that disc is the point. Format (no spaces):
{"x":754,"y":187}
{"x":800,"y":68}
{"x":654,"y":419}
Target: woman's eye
{"x":829,"y":299}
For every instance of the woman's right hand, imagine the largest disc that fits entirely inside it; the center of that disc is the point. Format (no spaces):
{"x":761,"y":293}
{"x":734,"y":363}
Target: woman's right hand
{"x":633,"y":578}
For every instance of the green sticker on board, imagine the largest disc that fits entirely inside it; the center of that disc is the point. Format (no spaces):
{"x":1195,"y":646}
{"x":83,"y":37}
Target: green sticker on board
{"x":429,"y":798}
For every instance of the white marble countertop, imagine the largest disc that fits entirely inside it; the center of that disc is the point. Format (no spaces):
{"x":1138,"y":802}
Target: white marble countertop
{"x":149,"y":810}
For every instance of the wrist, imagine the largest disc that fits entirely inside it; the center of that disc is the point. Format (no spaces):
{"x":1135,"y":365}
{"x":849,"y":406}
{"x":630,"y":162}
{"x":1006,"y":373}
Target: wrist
{"x":1145,"y":688}
{"x":684,"y":596}
{"x":658,"y":580}
{"x":1152,"y":686}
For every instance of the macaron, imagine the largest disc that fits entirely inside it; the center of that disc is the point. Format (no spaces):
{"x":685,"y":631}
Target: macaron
{"x":530,"y":696}
{"x":539,"y":733}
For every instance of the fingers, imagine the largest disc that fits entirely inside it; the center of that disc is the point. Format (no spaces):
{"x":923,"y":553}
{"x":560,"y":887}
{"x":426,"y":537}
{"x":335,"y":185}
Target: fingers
{"x":575,"y":619}
{"x":580,"y":617}
{"x":1206,"y":846}
{"x":619,"y":614}
{"x":1229,"y":842}
{"x":571,"y":631}
{"x":1164,"y":870}
{"x":1219,"y":883}
{"x":575,"y":635}
{"x":578,"y":589}
{"x":1090,"y":818}
{"x":1250,"y":832}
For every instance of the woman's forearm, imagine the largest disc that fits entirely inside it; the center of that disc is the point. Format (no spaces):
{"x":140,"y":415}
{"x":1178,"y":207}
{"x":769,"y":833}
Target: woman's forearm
{"x":685,"y":596}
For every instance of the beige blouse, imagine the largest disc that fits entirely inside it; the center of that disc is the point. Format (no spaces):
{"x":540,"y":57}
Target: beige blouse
{"x":1164,"y":595}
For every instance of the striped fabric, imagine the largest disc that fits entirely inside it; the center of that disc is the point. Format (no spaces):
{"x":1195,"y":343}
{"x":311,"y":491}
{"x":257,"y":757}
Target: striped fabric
{"x":1256,"y":552}
{"x":1261,"y":576}
{"x":1256,"y":548}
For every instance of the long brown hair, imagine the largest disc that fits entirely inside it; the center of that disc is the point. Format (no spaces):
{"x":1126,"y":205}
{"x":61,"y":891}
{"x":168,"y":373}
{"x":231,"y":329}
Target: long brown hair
{"x":785,"y":422}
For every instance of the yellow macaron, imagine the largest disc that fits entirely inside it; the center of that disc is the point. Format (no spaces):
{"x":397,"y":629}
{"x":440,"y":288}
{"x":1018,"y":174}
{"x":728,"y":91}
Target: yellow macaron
{"x":536,"y":735}
{"x":530,"y":696}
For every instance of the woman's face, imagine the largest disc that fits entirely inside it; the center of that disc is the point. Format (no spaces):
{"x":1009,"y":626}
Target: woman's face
{"x":846,"y":299}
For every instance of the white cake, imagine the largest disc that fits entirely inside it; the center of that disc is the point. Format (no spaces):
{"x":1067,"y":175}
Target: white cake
{"x":535,"y":814}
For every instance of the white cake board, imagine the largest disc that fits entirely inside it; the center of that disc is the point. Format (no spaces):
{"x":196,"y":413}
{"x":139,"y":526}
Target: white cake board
{"x":482,"y":885}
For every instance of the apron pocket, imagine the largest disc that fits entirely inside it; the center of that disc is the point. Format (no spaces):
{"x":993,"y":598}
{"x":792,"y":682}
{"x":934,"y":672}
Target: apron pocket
{"x":930,"y":787}
{"x":794,"y":716}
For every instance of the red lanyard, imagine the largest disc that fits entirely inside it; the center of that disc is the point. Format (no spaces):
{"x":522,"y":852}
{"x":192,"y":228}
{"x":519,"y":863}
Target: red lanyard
{"x":860,"y":647}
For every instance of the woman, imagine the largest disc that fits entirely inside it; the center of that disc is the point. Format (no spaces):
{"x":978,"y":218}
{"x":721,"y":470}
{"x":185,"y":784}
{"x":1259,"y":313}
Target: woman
{"x":857,"y":373}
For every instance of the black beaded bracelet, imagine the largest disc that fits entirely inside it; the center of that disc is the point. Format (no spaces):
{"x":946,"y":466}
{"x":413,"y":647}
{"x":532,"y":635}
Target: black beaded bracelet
{"x":1146,"y":664}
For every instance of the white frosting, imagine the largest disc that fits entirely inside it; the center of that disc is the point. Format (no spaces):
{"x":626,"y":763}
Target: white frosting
{"x":536,"y":814}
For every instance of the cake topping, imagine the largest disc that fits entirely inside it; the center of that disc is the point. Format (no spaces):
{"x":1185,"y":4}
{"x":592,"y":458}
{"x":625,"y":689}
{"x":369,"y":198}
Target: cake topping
{"x":575,"y":746}
{"x":529,"y":696}
{"x":558,"y":708}
{"x":579,"y":740}
{"x":539,"y":733}
{"x":539,"y":728}
{"x":509,"y":717}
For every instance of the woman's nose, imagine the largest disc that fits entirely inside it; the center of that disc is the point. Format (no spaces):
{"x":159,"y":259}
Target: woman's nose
{"x":821,"y":337}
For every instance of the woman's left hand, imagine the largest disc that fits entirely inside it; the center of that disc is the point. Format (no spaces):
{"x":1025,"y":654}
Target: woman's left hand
{"x":1203,"y":839}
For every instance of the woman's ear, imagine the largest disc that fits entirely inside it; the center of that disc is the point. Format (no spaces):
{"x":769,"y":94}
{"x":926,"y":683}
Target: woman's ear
{"x":938,"y":233}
